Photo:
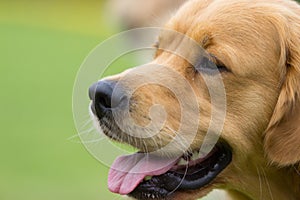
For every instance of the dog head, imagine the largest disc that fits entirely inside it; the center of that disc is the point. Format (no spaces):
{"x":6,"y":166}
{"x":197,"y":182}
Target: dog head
{"x":240,"y":58}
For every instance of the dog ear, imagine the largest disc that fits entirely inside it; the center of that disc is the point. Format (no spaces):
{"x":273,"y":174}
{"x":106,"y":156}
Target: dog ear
{"x":282,"y":137}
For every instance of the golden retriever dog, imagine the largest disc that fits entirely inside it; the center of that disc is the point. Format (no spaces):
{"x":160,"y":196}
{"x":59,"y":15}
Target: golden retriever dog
{"x":251,"y":47}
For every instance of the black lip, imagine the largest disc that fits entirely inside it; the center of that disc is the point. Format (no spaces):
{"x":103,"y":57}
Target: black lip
{"x":195,"y":177}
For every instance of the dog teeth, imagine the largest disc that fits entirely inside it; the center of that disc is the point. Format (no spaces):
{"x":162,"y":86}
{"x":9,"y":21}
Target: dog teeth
{"x":195,"y":156}
{"x":182,"y":162}
{"x":147,"y":178}
{"x":190,"y":157}
{"x":150,"y":196}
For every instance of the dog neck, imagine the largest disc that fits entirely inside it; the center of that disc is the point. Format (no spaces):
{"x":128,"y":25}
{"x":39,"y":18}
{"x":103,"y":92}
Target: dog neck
{"x":270,"y":183}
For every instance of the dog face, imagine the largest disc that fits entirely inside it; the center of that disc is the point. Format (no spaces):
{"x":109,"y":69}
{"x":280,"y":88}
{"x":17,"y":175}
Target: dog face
{"x":251,"y":46}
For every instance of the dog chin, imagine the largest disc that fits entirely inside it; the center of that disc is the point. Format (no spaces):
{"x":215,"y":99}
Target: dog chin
{"x":193,"y":195}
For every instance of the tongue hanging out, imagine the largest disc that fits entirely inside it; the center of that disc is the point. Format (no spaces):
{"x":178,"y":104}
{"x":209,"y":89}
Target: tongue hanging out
{"x":127,"y":172}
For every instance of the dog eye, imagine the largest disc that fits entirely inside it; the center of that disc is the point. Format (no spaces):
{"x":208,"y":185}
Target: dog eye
{"x":205,"y":65}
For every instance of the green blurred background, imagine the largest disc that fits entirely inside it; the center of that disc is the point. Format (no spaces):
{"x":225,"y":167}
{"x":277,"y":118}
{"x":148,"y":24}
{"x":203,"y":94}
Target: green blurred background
{"x":42,"y":45}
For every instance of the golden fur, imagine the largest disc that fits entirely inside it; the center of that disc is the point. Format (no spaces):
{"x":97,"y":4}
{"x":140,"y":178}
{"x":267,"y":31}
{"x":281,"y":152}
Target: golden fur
{"x":259,"y":42}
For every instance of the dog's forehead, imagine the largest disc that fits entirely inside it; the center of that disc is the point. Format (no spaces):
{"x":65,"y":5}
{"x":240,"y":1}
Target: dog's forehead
{"x":198,"y":17}
{"x":238,"y":32}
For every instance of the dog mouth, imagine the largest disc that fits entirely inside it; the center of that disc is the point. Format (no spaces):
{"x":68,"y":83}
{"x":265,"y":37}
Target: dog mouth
{"x":149,"y":176}
{"x":144,"y":176}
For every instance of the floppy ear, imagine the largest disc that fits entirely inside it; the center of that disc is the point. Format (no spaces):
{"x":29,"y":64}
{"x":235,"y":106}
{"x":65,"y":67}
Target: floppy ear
{"x":282,"y":137}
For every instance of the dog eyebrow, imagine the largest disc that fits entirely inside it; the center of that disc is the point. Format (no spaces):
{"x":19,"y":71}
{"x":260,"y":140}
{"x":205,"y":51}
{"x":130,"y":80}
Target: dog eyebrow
{"x":217,"y":61}
{"x":214,"y":58}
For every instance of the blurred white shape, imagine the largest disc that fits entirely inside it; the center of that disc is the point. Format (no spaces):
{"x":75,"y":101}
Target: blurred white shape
{"x":141,"y":13}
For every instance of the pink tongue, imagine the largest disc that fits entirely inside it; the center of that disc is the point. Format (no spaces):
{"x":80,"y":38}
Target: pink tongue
{"x":128,"y":171}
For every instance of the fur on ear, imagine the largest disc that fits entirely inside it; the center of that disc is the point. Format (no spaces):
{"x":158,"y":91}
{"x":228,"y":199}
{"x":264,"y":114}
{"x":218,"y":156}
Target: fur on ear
{"x":282,"y":137}
{"x":282,"y":140}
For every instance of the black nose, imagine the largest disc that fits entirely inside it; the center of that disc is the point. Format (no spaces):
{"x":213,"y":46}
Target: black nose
{"x":105,"y":96}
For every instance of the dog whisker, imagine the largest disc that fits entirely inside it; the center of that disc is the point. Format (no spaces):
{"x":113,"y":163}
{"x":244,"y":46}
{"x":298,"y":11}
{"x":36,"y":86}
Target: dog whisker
{"x":267,"y":183}
{"x":260,"y":184}
{"x":81,"y":133}
{"x":297,"y":171}
{"x":87,"y":122}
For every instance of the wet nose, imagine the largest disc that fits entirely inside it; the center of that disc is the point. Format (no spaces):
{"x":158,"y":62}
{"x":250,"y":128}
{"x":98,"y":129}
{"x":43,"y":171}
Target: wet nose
{"x":105,"y":96}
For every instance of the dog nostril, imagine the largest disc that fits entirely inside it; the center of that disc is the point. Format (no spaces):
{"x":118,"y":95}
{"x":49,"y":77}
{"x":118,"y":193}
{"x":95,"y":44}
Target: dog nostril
{"x":105,"y":95}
